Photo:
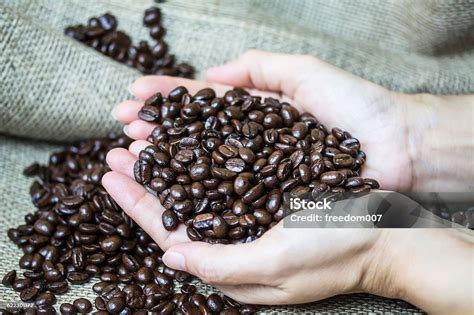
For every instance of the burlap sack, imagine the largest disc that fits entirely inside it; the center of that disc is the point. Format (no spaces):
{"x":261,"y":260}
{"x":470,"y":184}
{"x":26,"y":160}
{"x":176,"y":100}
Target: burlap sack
{"x":56,"y":89}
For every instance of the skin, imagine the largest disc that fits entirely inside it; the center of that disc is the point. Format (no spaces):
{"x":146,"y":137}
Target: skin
{"x":408,"y":147}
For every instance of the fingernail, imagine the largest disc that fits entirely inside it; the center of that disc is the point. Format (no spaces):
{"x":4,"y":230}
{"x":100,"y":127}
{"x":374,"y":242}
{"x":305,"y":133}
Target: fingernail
{"x":174,"y":260}
{"x":130,"y":89}
{"x":113,"y":113}
{"x":125,"y":130}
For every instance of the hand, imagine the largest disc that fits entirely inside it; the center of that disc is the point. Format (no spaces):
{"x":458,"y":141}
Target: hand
{"x":344,"y":252}
{"x":371,"y":113}
{"x":286,"y":266}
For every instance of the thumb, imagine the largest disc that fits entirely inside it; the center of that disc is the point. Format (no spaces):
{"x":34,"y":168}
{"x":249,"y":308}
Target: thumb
{"x":281,"y":73}
{"x":223,"y":264}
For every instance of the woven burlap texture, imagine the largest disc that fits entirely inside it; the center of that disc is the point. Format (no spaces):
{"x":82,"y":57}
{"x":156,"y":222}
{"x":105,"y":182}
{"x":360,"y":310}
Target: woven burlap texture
{"x":54,"y":88}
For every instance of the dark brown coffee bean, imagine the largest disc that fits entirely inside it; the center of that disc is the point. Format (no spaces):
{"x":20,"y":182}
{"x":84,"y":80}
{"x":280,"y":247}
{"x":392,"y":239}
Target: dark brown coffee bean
{"x":247,"y":155}
{"x":149,"y":114}
{"x":241,"y":185}
{"x":199,"y":172}
{"x":78,"y":258}
{"x":82,"y":305}
{"x":354,"y":182}
{"x":115,"y":305}
{"x":235,"y":164}
{"x":142,"y":172}
{"x":331,"y":178}
{"x":205,"y":94}
{"x":45,"y":299}
{"x":219,"y":227}
{"x":77,"y":277}
{"x":28,"y":294}
{"x":144,"y":275}
{"x":44,"y":227}
{"x":262,"y":217}
{"x":58,"y":287}
{"x":67,"y":309}
{"x":170,"y":220}
{"x":253,"y":193}
{"x":214,"y":303}
{"x":9,"y":278}
{"x":372,"y":183}
{"x":111,"y":244}
{"x":194,"y":234}
{"x":343,"y":160}
{"x":222,"y":173}
{"x":20,"y":284}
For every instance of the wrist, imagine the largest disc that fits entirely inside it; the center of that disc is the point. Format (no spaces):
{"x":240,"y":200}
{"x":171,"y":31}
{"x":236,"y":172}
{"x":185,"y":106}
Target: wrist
{"x":439,"y":138}
{"x":430,"y":268}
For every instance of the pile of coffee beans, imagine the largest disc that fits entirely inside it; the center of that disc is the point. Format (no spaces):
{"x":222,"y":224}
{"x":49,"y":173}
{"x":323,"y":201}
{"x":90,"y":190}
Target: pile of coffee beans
{"x":101,"y":34}
{"x":220,"y":165}
{"x":79,"y":234}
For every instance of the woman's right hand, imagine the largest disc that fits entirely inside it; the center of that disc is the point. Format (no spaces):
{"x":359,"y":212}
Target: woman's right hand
{"x":369,"y":112}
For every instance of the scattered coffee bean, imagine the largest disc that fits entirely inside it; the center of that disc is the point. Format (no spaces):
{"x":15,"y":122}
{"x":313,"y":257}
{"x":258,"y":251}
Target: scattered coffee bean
{"x":101,"y":34}
{"x":67,"y":309}
{"x":82,"y":305}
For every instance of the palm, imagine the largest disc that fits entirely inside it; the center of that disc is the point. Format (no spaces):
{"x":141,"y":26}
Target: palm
{"x":370,"y":113}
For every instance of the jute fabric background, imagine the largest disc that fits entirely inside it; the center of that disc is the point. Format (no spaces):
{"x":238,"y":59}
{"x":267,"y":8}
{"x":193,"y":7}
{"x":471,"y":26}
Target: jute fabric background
{"x":54,"y":89}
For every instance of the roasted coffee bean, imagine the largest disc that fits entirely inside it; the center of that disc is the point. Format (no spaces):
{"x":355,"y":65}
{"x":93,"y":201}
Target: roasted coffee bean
{"x":214,"y":303}
{"x":372,"y":183}
{"x":115,"y":305}
{"x":28,"y":294}
{"x":77,"y":277}
{"x":111,"y":244}
{"x":149,"y":114}
{"x":58,"y":287}
{"x":43,"y":226}
{"x":194,"y":234}
{"x":253,"y":193}
{"x":199,"y":172}
{"x":67,"y":309}
{"x":20,"y":284}
{"x":45,"y":299}
{"x":235,"y":164}
{"x":82,"y":305}
{"x":142,"y":172}
{"x":9,"y":278}
{"x":343,"y":160}
{"x":170,"y":220}
{"x":354,"y":182}
{"x":332,"y":178}
{"x":144,"y":275}
{"x":152,"y":16}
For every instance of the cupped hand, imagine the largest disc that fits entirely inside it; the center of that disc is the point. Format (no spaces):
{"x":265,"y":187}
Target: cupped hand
{"x":285,"y":265}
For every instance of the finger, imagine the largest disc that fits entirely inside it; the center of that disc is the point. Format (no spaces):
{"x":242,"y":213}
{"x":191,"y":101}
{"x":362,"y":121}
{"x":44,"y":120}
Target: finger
{"x":255,"y":294}
{"x":143,"y":208}
{"x":223,"y":264}
{"x":264,"y":71}
{"x":146,"y":86}
{"x":122,"y":161}
{"x":127,"y":111}
{"x":137,"y":146}
{"x":139,"y":129}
